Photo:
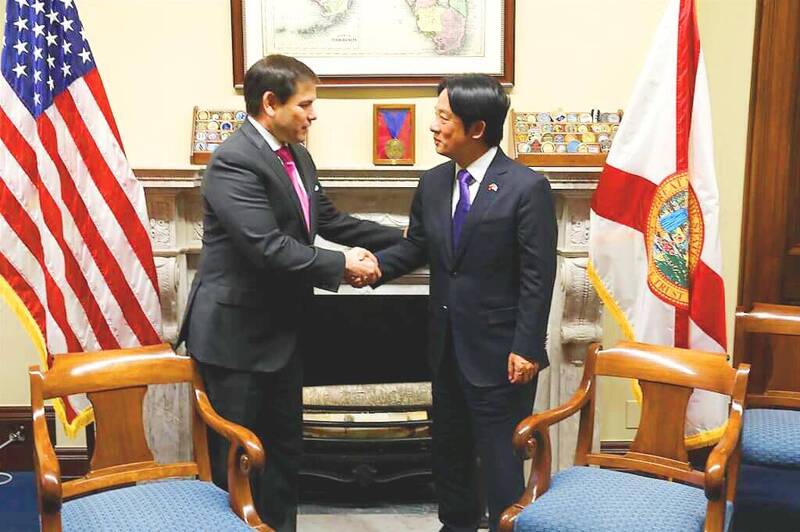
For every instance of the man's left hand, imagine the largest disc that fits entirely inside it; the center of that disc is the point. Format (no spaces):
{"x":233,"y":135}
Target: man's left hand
{"x":521,"y":370}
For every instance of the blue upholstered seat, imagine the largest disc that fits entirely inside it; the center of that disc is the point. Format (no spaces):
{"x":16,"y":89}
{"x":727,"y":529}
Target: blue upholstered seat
{"x":771,"y":437}
{"x":165,"y":505}
{"x":587,"y":499}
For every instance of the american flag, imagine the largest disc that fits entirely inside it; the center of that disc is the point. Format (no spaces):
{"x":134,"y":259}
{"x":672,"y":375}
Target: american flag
{"x":76,"y":263}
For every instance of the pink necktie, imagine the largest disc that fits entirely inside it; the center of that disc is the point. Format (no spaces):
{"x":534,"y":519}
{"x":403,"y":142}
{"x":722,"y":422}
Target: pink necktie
{"x":291,"y":169}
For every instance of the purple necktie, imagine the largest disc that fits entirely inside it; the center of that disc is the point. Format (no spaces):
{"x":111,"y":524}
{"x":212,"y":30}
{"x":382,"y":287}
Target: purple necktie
{"x":463,"y":205}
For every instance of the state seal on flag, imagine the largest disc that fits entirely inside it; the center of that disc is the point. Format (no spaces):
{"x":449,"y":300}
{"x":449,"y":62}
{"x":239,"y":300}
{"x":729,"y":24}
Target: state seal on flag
{"x":674,"y":239}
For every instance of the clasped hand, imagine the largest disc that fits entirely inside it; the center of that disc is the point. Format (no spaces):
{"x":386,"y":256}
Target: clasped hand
{"x":520,"y":370}
{"x":360,"y":268}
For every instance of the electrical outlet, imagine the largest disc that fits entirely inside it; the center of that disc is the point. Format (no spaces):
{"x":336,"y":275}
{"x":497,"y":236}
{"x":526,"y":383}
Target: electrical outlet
{"x":17,"y":435}
{"x":633,"y":412}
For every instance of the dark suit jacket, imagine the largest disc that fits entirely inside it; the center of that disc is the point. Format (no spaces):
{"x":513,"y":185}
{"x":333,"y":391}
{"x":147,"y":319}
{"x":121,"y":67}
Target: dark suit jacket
{"x":258,"y":266}
{"x":494,"y":291}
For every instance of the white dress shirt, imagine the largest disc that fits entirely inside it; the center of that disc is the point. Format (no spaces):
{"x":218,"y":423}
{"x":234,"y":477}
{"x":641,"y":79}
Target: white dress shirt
{"x":274,"y":143}
{"x":477,"y":170}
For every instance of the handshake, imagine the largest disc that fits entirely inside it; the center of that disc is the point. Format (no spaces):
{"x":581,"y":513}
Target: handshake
{"x":360,"y":268}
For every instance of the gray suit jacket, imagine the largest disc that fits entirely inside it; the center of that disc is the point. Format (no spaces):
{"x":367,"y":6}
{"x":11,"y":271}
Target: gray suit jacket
{"x":258,"y":265}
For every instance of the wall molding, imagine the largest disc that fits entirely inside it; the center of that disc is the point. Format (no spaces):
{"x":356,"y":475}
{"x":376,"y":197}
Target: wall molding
{"x":615,"y":446}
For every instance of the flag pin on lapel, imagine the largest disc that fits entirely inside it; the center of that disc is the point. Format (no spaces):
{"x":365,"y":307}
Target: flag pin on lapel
{"x":492,"y":187}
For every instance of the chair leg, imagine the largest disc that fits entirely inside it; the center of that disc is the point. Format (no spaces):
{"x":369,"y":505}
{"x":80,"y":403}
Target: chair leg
{"x":51,"y":522}
{"x":715,"y":516}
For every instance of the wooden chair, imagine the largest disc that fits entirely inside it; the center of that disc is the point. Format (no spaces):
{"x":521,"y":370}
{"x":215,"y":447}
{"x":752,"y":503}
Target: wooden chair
{"x":594,"y":499}
{"x":771,"y":432}
{"x":115,"y":382}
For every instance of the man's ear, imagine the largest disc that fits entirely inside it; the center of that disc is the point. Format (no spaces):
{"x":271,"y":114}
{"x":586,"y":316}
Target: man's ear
{"x":269,"y":103}
{"x":477,"y":130}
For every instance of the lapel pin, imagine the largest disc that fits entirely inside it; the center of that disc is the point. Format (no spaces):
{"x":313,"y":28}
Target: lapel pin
{"x":316,"y":188}
{"x":492,"y":187}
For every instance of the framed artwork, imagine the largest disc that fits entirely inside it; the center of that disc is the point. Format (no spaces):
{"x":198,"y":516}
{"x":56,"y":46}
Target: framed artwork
{"x":393,"y":134}
{"x":378,"y":42}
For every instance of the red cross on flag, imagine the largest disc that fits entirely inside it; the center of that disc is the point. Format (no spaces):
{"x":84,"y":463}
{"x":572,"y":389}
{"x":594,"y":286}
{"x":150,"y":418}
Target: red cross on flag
{"x":654,"y":247}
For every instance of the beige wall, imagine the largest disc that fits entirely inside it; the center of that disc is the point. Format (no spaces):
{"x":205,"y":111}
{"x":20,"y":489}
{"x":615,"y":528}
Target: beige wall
{"x":159,"y":58}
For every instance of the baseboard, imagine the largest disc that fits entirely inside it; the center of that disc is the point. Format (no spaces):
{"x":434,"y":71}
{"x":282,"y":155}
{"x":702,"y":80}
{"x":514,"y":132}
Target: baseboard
{"x":697,"y":457}
{"x":74,"y":462}
{"x":615,"y":446}
{"x":18,"y":455}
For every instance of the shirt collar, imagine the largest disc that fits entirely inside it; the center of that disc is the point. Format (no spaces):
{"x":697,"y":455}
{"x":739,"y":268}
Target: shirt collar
{"x":274,"y":143}
{"x":480,"y":165}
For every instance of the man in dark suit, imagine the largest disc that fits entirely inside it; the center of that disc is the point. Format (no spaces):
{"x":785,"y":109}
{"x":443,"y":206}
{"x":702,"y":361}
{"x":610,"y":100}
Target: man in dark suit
{"x":245,"y":316}
{"x":486,"y":225}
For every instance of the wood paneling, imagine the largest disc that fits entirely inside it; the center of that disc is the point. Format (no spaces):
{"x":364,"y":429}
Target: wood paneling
{"x":17,"y":456}
{"x":770,"y":271}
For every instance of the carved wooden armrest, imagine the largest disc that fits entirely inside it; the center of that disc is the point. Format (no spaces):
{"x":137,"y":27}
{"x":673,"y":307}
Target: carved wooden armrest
{"x":252,"y":459}
{"x":532,"y":440}
{"x":717,"y":463}
{"x":239,"y":436}
{"x":48,"y":472}
{"x":539,"y":423}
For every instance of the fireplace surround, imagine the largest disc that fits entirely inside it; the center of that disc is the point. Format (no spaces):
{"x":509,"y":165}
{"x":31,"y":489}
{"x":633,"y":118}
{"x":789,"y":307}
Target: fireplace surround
{"x":367,"y":394}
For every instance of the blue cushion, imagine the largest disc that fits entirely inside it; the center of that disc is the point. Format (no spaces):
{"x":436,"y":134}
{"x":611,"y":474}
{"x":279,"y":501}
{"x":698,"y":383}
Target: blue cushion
{"x":156,"y":506}
{"x":771,"y":437}
{"x":588,"y":499}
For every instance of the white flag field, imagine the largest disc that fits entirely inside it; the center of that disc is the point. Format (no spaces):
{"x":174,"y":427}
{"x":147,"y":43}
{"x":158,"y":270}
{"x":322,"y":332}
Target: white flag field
{"x":654,"y":247}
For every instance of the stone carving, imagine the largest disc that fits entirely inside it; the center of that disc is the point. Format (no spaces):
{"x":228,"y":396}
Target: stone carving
{"x":579,"y":232}
{"x":168,"y":288}
{"x":574,"y":317}
{"x":161,"y":209}
{"x":577,"y":226}
{"x":369,"y":395}
{"x":580,"y":322}
{"x":167,"y":415}
{"x":392,"y":220}
{"x":160,"y":233}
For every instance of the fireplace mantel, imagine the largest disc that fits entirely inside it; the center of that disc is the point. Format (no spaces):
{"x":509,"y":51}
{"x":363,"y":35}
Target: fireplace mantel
{"x":385,"y":194}
{"x":561,"y":178}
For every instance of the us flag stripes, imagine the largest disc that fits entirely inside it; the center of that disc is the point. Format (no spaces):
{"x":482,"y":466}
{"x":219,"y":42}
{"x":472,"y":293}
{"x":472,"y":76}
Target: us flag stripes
{"x":76,"y":263}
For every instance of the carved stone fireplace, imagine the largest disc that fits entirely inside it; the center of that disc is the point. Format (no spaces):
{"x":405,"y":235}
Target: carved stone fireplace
{"x":368,"y":402}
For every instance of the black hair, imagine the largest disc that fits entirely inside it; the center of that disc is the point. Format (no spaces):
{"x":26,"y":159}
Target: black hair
{"x":275,"y":73}
{"x":475,"y":97}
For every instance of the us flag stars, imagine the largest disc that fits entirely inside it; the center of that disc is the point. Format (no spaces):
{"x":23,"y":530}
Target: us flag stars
{"x":44,"y":50}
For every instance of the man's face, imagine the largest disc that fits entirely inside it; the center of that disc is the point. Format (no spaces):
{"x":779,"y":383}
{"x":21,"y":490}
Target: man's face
{"x":291,"y":120}
{"x":449,"y":136}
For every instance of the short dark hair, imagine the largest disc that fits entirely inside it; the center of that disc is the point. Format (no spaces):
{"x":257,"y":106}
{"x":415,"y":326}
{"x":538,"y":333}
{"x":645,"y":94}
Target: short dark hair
{"x":276,"y":73}
{"x":475,"y":97}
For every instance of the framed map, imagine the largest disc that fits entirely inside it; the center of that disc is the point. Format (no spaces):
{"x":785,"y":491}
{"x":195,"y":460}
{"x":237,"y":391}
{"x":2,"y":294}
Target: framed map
{"x":378,"y":42}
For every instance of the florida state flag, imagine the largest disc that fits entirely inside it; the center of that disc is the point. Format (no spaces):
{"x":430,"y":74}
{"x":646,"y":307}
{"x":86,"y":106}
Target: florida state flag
{"x":654,"y":248}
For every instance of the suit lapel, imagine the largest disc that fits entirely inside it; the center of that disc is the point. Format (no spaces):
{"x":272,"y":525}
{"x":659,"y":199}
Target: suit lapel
{"x":308,"y":178}
{"x":489,"y":190}
{"x":275,"y":167}
{"x":444,"y":209}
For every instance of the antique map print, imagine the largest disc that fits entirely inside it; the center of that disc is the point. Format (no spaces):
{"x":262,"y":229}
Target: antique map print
{"x":369,"y":28}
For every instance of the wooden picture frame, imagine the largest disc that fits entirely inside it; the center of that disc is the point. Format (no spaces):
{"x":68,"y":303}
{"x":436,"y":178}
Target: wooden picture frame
{"x":585,"y":137}
{"x":393,"y":139}
{"x":211,"y":126}
{"x":496,"y":44}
